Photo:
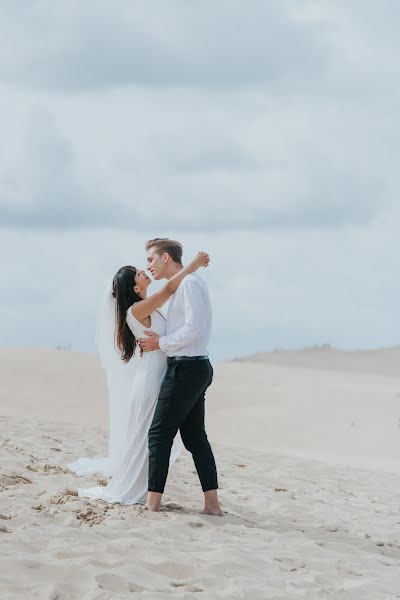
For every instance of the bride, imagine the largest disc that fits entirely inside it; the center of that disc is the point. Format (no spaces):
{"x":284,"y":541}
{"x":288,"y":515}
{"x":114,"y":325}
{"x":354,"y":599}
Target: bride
{"x":133,"y":380}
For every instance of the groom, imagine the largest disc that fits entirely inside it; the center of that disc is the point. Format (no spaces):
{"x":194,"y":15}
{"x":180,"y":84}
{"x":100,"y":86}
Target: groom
{"x":181,"y":400}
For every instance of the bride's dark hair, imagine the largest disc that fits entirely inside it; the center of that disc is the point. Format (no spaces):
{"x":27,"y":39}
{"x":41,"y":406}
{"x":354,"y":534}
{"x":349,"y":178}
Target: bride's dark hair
{"x":122,"y":290}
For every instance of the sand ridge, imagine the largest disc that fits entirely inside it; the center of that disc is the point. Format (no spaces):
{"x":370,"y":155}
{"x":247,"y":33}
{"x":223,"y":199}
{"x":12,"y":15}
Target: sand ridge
{"x":384,"y":361}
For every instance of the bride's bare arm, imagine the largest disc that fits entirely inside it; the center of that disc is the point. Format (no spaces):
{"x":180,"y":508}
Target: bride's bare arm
{"x":141,"y":310}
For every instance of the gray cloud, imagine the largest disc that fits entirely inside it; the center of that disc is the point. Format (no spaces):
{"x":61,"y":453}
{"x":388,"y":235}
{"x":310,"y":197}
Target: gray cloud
{"x":210,"y":116}
{"x":111,"y":161}
{"x":80,"y":46}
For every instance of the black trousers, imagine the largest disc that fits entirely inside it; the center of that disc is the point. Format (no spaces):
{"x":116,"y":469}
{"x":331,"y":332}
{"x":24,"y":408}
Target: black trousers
{"x":181,"y":407}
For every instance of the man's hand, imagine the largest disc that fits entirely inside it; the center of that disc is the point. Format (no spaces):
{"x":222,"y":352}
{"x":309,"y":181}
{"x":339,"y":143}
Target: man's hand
{"x":150,"y":343}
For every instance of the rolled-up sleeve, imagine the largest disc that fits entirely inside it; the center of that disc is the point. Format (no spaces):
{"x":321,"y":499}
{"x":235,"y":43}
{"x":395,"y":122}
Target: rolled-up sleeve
{"x":193,"y":306}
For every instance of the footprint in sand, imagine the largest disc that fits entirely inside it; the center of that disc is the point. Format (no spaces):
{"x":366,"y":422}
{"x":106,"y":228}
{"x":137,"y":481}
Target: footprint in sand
{"x":171,"y":507}
{"x":188,"y":587}
{"x":15,"y":448}
{"x":47,"y":469}
{"x":12,"y":479}
{"x":290,"y":564}
{"x":195,"y":524}
{"x":115,"y":583}
{"x":94,"y":515}
{"x":5,"y":517}
{"x":4,"y":529}
{"x":172,"y":570}
{"x":64,"y":497}
{"x":52,"y":439}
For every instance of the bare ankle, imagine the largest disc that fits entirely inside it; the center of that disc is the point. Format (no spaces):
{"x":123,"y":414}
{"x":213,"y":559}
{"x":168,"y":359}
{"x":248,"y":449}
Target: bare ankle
{"x":213,"y":511}
{"x":153,"y":502}
{"x":152,"y":508}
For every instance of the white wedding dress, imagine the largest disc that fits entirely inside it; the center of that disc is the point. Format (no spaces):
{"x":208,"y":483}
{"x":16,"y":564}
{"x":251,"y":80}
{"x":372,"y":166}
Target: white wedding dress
{"x":133,"y":392}
{"x":120,"y":397}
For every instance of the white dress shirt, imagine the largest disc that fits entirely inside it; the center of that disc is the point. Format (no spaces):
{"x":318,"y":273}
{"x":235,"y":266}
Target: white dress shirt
{"x":188,"y":319}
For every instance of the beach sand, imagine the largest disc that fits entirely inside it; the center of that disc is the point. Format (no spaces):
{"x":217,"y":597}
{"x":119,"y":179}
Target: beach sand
{"x":308,"y":449}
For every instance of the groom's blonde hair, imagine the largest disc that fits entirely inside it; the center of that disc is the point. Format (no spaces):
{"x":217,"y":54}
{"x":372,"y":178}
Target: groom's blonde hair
{"x":172,"y":247}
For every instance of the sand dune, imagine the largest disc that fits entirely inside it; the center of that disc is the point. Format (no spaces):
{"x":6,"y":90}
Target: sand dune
{"x":309,"y":474}
{"x":384,"y":361}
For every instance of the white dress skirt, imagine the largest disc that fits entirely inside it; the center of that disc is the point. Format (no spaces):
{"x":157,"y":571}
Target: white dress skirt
{"x":129,"y":481}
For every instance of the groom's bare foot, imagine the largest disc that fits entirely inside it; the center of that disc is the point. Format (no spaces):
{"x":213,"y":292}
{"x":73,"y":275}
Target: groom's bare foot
{"x":151,"y":508}
{"x":214,"y":511}
{"x":211,"y":504}
{"x":153,"y":502}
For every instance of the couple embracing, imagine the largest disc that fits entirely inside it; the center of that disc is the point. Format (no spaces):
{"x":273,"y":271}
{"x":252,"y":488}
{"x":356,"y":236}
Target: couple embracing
{"x":157,"y":387}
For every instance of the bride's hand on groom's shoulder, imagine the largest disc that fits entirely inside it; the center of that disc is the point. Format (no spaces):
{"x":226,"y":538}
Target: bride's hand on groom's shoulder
{"x":202,"y":259}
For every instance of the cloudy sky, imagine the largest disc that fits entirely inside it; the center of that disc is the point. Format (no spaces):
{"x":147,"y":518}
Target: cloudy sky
{"x":266,"y":132}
